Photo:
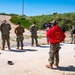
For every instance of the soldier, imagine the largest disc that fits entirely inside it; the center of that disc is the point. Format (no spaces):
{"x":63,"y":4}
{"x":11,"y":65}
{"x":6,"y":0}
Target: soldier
{"x":33,"y":30}
{"x":56,"y":36}
{"x":19,"y":33}
{"x":5,"y":31}
{"x":47,"y":28}
{"x":73,"y":34}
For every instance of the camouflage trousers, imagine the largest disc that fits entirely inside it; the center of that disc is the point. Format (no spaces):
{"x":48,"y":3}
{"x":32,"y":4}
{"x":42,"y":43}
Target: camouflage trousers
{"x":73,"y":38}
{"x":5,"y":38}
{"x":19,"y":40}
{"x":54,"y":54}
{"x":34,"y":37}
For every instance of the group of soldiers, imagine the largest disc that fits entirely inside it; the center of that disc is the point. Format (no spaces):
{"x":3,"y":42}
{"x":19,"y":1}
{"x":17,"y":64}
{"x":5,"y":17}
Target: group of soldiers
{"x":5,"y":28}
{"x":54,"y":34}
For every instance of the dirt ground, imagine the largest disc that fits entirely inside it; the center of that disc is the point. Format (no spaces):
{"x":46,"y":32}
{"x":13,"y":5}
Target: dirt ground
{"x":33,"y":60}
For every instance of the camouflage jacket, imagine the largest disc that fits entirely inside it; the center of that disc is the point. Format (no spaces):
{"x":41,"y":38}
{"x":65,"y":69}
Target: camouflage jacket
{"x":5,"y":28}
{"x":33,"y":29}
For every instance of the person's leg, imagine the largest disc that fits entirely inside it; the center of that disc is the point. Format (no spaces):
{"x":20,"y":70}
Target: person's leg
{"x":32,"y":41}
{"x":22,"y":44}
{"x":36,"y":41}
{"x":56,"y":55}
{"x":17,"y":44}
{"x":51,"y":57}
{"x":8,"y":42}
{"x":71,"y":39}
{"x":56,"y":59}
{"x":17,"y":40}
{"x":3,"y":42}
{"x":74,"y":38}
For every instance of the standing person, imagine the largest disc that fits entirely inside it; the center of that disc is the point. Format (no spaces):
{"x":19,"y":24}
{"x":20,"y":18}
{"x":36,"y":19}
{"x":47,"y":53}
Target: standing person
{"x":19,"y":33}
{"x":47,"y":29}
{"x":56,"y":36}
{"x":5,"y":31}
{"x":33,"y":30}
{"x":47,"y":37}
{"x":73,"y":34}
{"x":64,"y":29}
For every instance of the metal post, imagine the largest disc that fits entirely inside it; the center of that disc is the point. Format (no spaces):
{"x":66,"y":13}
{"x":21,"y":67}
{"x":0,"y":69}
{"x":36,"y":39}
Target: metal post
{"x":23,"y":8}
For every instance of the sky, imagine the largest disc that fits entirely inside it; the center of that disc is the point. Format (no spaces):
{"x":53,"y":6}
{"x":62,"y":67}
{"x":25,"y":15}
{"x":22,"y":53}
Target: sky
{"x":37,"y":7}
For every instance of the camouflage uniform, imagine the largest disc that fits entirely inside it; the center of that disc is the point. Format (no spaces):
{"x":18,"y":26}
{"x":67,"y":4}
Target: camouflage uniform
{"x":19,"y":33}
{"x":54,"y":53}
{"x":33,"y":30}
{"x":73,"y":34}
{"x":5,"y":28}
{"x":56,"y":36}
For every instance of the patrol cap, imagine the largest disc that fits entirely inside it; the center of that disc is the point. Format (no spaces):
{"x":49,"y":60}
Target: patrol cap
{"x":5,"y":21}
{"x":54,"y":22}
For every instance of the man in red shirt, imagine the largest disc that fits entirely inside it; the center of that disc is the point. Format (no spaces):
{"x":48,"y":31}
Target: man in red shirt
{"x":56,"y":36}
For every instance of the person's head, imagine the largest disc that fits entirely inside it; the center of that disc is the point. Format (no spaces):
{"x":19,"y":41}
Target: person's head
{"x":54,"y":23}
{"x":34,"y":23}
{"x":4,"y":21}
{"x":19,"y":23}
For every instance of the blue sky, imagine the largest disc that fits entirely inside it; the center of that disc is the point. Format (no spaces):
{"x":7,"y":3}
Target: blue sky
{"x":37,"y":7}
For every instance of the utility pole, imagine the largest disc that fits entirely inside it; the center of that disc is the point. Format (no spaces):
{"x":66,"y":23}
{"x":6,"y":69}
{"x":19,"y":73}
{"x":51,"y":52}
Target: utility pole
{"x":23,"y":8}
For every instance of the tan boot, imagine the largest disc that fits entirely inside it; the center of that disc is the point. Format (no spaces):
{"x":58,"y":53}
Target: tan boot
{"x":49,"y":66}
{"x":32,"y":45}
{"x":2,"y":48}
{"x":21,"y":48}
{"x":56,"y":65}
{"x":9,"y":48}
{"x":17,"y":48}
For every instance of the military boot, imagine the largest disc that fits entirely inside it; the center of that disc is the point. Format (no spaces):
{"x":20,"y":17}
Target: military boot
{"x":31,"y":44}
{"x":2,"y":48}
{"x":9,"y":47}
{"x":21,"y":48}
{"x":17,"y":48}
{"x":50,"y":66}
{"x":56,"y":65}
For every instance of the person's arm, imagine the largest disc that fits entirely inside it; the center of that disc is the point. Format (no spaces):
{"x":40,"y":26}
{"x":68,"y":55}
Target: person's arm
{"x":23,"y":30}
{"x":1,"y":27}
{"x":15,"y":30}
{"x":30,"y":29}
{"x":9,"y":26}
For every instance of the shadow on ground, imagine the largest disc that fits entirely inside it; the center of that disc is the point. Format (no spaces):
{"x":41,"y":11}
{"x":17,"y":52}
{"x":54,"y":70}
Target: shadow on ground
{"x":24,"y":50}
{"x":44,"y":46}
{"x":69,"y":68}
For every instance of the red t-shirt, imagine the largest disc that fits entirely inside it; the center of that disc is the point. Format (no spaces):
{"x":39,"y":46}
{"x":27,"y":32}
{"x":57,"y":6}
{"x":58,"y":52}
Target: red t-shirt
{"x":56,"y":35}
